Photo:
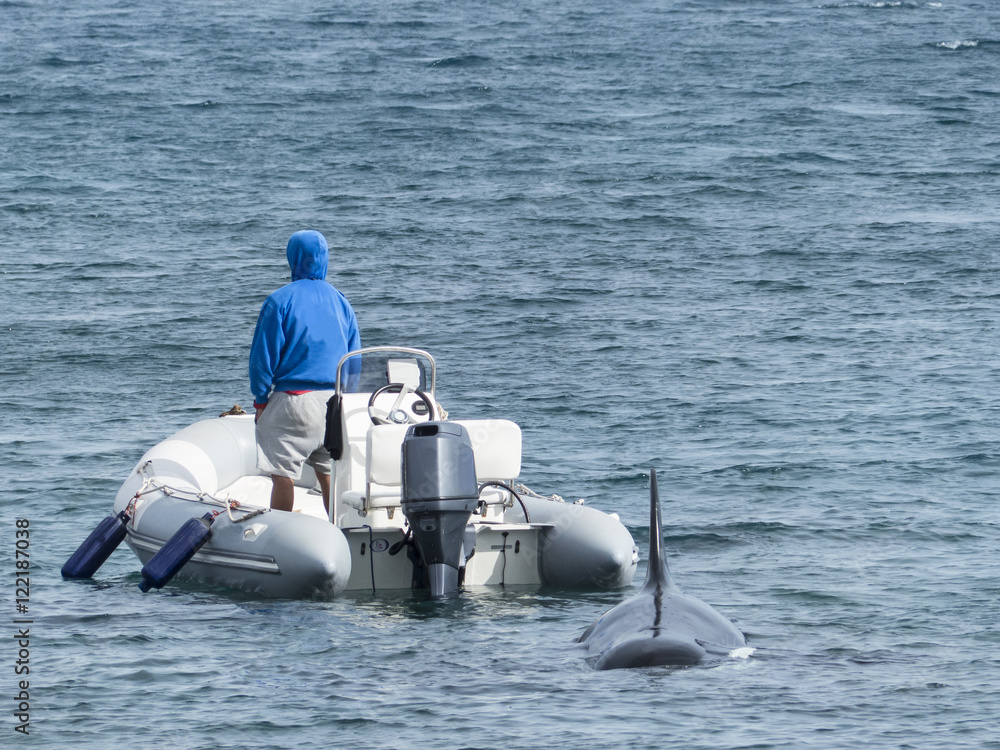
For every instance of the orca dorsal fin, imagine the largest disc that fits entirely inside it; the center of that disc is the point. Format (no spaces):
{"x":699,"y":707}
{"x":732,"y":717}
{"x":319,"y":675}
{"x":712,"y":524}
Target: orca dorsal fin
{"x":657,"y":574}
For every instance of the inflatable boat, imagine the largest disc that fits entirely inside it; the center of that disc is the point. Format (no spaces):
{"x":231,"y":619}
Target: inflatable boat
{"x":417,"y":501}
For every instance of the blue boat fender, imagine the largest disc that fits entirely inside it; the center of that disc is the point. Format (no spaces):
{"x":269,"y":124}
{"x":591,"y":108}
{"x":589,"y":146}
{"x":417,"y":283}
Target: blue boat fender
{"x":97,"y":547}
{"x":173,"y":555}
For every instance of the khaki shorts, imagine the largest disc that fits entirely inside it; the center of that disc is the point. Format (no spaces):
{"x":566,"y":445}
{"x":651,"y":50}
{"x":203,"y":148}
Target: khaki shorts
{"x":290,"y":433}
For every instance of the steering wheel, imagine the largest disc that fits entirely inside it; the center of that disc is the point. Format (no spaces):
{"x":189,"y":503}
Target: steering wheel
{"x":399,"y":414}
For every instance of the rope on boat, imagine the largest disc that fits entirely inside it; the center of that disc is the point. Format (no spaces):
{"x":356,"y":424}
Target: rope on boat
{"x":523,"y":489}
{"x":149,"y":486}
{"x":250,"y":515}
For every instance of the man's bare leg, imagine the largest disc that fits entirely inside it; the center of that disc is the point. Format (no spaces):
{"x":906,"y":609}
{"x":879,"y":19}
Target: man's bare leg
{"x":282,"y":492}
{"x":324,"y":485}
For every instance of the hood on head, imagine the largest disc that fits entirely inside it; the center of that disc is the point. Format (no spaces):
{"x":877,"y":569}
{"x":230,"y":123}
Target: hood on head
{"x":308,"y":255}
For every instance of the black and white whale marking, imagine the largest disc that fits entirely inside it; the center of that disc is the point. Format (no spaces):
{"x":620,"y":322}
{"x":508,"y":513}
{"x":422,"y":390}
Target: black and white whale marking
{"x":660,"y":626}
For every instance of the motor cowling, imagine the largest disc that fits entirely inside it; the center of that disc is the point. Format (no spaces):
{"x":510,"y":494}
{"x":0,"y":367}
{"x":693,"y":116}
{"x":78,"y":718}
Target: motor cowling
{"x":439,"y":494}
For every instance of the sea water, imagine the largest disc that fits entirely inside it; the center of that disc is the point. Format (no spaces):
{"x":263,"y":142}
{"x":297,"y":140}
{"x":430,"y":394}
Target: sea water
{"x":753,"y":245}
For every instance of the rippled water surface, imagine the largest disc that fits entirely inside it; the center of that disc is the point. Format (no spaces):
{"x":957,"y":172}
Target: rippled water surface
{"x":753,"y":245}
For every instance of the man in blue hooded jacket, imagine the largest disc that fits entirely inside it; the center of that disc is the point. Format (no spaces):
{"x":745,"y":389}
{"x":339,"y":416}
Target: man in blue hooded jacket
{"x":303,"y":330}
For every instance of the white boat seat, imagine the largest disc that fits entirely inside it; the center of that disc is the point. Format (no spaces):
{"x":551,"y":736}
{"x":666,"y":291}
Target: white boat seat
{"x":496,"y":444}
{"x":496,"y":447}
{"x":384,"y":454}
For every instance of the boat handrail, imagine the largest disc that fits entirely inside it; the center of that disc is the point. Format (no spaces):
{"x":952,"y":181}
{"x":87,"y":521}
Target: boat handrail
{"x":377,"y":349}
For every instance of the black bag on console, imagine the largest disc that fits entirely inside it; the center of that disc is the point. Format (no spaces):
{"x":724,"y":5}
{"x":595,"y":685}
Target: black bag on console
{"x":333,"y":440}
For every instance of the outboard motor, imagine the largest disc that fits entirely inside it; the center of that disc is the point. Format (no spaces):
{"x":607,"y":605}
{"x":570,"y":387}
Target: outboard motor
{"x":440,"y":493}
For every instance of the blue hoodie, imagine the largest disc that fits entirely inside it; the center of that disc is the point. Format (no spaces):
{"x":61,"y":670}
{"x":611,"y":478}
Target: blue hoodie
{"x":304,"y":328}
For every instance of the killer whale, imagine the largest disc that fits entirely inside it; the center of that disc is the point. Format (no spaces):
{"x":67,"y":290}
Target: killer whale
{"x":659,"y":626}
